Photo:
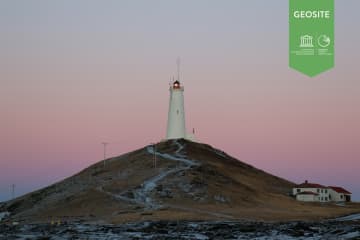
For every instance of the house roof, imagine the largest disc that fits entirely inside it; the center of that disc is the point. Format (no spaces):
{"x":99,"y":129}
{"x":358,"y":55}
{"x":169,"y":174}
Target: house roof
{"x":339,"y":189}
{"x":307,"y":193}
{"x":306,"y":184}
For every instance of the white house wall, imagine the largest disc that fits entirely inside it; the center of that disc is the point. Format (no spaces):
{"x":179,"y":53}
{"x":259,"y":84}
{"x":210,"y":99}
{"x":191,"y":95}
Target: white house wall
{"x":307,"y":198}
{"x":323,"y":193}
{"x":336,"y":197}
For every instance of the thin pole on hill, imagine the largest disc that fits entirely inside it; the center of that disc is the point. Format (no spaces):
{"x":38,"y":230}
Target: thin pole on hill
{"x":13,"y":191}
{"x":104,"y":143}
{"x":154,"y":157}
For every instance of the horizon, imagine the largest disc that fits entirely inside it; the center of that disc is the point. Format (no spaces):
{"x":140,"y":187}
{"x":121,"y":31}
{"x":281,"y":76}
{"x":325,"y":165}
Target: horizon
{"x":76,"y":74}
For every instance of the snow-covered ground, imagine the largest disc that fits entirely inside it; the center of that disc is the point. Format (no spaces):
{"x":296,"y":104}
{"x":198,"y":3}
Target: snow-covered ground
{"x":349,"y":217}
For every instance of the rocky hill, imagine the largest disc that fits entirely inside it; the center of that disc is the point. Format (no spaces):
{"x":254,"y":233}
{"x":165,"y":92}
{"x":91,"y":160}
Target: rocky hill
{"x":190,"y":181}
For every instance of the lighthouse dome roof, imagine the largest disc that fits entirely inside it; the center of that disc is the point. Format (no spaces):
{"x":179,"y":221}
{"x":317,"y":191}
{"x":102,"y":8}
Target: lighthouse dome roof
{"x":176,"y":84}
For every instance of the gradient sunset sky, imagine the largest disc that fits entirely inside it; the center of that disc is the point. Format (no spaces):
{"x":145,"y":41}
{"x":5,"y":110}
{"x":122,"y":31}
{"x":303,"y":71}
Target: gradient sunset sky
{"x":76,"y":73}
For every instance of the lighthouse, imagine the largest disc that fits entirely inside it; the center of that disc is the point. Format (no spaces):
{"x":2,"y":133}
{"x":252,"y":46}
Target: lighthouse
{"x":176,"y":116}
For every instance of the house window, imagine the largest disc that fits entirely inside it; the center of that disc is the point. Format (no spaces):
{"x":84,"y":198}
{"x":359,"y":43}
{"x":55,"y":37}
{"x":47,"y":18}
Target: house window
{"x":341,"y":196}
{"x":325,"y":190}
{"x":318,"y":190}
{"x":329,"y":197}
{"x":325,"y":198}
{"x":298,"y":190}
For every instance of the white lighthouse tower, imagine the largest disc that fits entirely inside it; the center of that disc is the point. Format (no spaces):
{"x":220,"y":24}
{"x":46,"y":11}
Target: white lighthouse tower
{"x":176,"y":117}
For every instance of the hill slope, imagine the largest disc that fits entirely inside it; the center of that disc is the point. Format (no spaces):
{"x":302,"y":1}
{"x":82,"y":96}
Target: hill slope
{"x":190,"y":181}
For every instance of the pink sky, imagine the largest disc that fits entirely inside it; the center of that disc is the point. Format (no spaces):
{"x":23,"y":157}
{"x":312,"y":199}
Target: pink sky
{"x":72,"y":77}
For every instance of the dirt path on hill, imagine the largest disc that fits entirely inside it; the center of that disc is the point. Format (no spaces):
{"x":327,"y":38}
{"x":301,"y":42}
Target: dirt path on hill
{"x":142,"y":194}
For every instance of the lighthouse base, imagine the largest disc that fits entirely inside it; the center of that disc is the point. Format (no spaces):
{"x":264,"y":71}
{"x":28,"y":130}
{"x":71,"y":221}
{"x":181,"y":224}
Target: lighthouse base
{"x":189,"y":137}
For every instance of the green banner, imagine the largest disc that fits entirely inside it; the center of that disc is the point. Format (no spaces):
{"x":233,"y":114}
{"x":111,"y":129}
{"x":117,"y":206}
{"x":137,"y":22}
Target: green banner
{"x":311,"y":36}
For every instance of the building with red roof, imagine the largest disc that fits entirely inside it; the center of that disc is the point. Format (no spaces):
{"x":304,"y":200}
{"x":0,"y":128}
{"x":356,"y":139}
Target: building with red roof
{"x":314,"y":192}
{"x":339,"y":194}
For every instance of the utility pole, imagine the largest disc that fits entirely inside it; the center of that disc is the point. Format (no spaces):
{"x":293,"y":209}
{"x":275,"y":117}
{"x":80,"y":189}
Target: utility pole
{"x":105,"y":144}
{"x":13,"y":191}
{"x":154,"y":157}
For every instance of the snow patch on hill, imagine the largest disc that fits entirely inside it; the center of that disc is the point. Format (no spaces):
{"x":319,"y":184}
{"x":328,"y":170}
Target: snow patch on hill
{"x":3,"y":215}
{"x":351,"y":217}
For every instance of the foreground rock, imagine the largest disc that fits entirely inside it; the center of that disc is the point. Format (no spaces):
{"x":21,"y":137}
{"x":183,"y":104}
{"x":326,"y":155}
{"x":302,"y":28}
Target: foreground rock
{"x":186,"y":230}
